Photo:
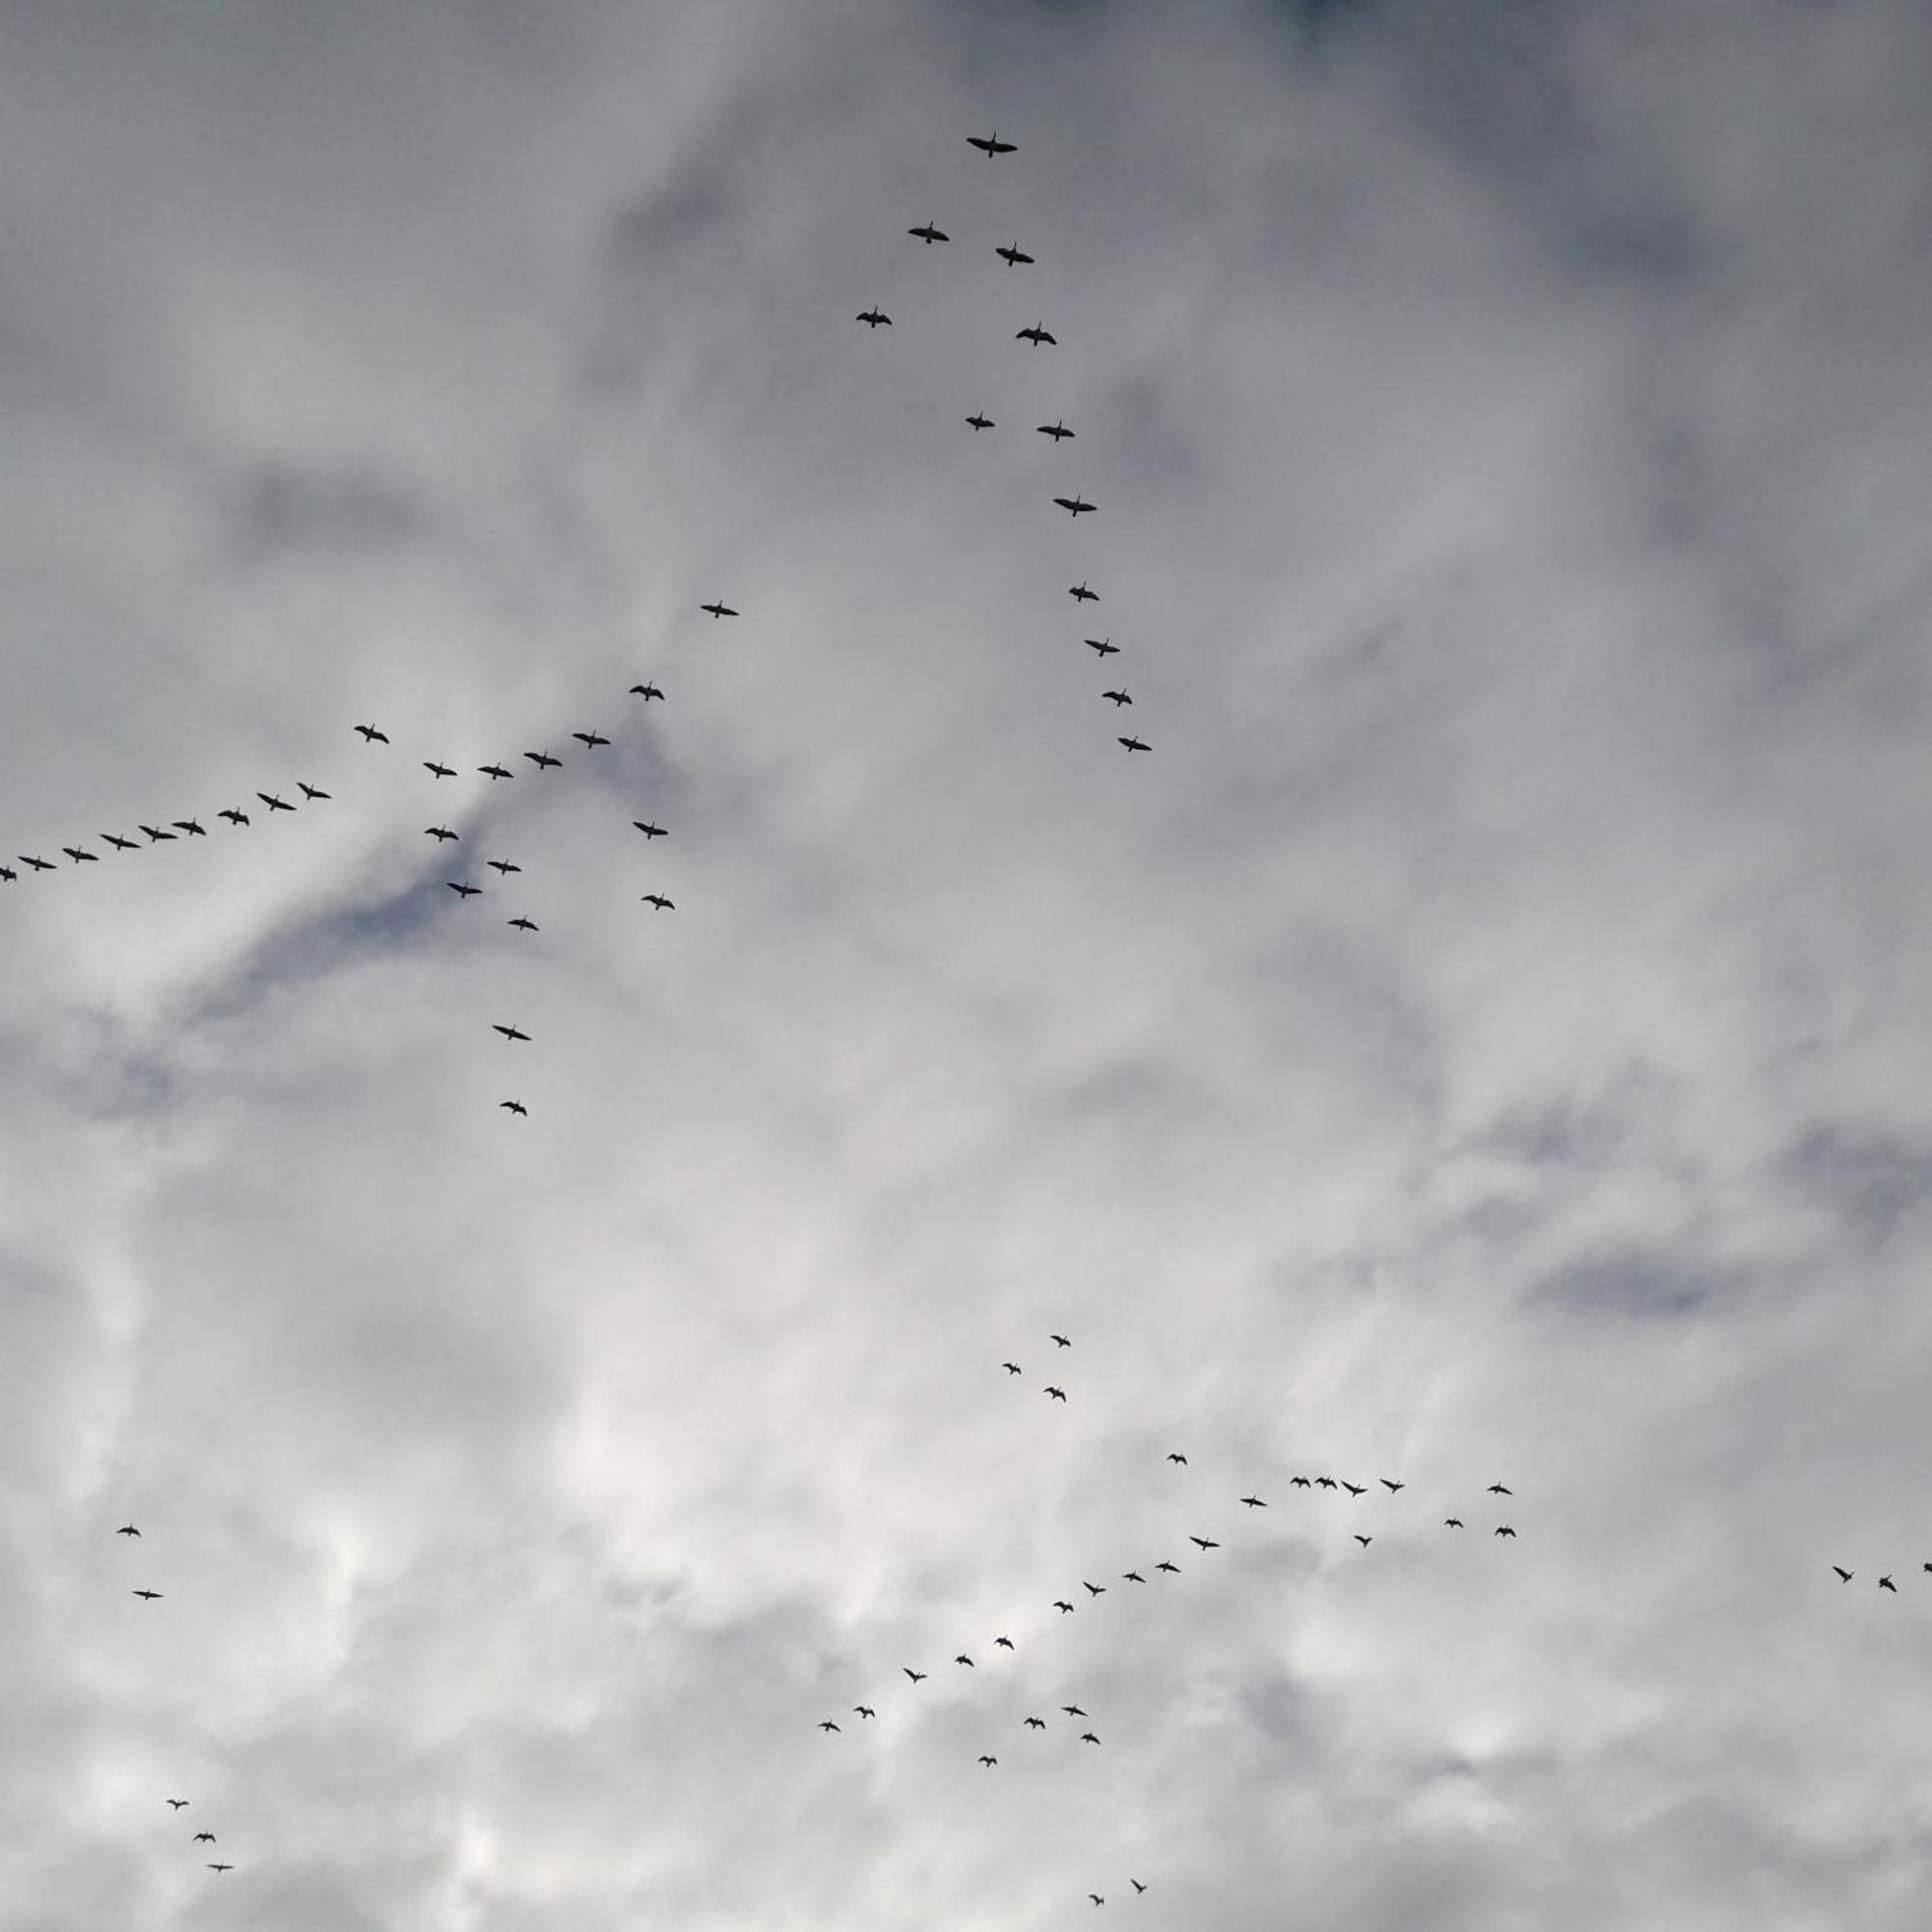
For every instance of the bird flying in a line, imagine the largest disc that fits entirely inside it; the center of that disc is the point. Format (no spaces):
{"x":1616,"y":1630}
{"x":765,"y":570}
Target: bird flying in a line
{"x":1012,"y":255}
{"x":871,"y":317}
{"x":929,"y":234}
{"x":990,"y":144}
{"x":372,"y":736}
{"x":508,"y":1031}
{"x":1036,"y":334}
{"x":717,"y":610}
{"x":1075,"y":506}
{"x":1136,"y":745}
{"x":980,"y":422}
{"x":539,"y":760}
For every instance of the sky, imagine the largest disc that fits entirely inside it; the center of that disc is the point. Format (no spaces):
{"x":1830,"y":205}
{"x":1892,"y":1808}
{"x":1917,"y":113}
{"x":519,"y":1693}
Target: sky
{"x":1483,"y":1040}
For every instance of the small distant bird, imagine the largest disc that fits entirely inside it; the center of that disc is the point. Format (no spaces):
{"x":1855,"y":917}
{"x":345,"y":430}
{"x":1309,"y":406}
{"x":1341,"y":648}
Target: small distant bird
{"x":1094,"y":1589}
{"x":1174,"y":1456}
{"x":7,"y":872}
{"x":1135,"y":745}
{"x":221,"y":1867}
{"x":1299,"y":1482}
{"x":120,"y":844}
{"x":372,"y":736}
{"x":127,"y":1529}
{"x":865,"y":1710}
{"x":515,"y":1107}
{"x":1077,"y":506}
{"x":156,"y":836}
{"x":826,"y":1724}
{"x":1364,"y":1541}
{"x":1253,"y":1502}
{"x":1088,"y":1738}
{"x":1497,"y":1490}
{"x":649,"y":831}
{"x":917,"y":1676}
{"x":1036,"y":335}
{"x":1079,"y":591}
{"x":273,"y":802}
{"x":151,"y":1596}
{"x":929,"y":234}
{"x":1012,"y":255}
{"x":179,"y":1804}
{"x":990,"y":144}
{"x":1065,"y":1609}
{"x":1452,"y":1522}
{"x":1173,"y":1569}
{"x":591,"y":740}
{"x":542,"y":759}
{"x":1132,"y":1576}
{"x":1204,"y":1543}
{"x":646,"y":692}
{"x":658,"y":903}
{"x":1073,"y":1710}
{"x":508,"y":1031}
{"x":1102,"y":646}
{"x":1886,"y":1583}
{"x":1845,"y":1576}
{"x":1352,"y":1488}
{"x":1003,"y":1643}
{"x":1505,"y":1530}
{"x":311,"y":791}
{"x":1119,"y":698}
{"x":504,"y":865}
{"x":496,"y":772}
{"x":980,"y":422}
{"x":1390,"y":1486}
{"x":1060,"y":1341}
{"x":204,"y":1839}
{"x":461,"y":891}
{"x":81,"y":857}
{"x":45,"y":864}
{"x":438,"y":771}
{"x":193,"y":826}
{"x":1037,"y":1723}
{"x":1056,"y":428}
{"x":871,"y":317}
{"x":1324,"y":1482}
{"x":725,"y":609}
{"x":1011,"y":1368}
{"x":1058,"y":1394}
{"x":1094,"y":1895}
{"x":983,"y":1760}
{"x":962,"y":1657}
{"x":523,"y":924}
{"x":439,"y":833}
{"x":1137,"y":1884}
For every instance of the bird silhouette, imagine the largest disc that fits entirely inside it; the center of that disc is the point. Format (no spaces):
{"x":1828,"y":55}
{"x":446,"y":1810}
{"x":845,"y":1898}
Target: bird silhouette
{"x":1845,"y":1576}
{"x":725,"y":609}
{"x":826,"y":1724}
{"x":127,"y":1529}
{"x":1136,"y":745}
{"x":1065,"y":1609}
{"x":989,"y":1761}
{"x":648,"y":829}
{"x":1137,"y":1884}
{"x":1060,"y":1341}
{"x":461,"y":890}
{"x":156,"y":836}
{"x":1497,"y":1490}
{"x":1094,"y":1589}
{"x":979,"y":422}
{"x":962,"y":1657}
{"x":1119,"y":698}
{"x":1353,"y":1490}
{"x":442,"y":834}
{"x":179,"y":1804}
{"x":646,"y":692}
{"x":1058,"y":1394}
{"x":1390,"y":1486}
{"x":1364,"y":1541}
{"x":1886,"y":1583}
{"x":1079,"y":591}
{"x":1174,"y":1456}
{"x":990,"y":144}
{"x":1035,"y":1723}
{"x":1077,"y":506}
{"x":437,"y":771}
{"x":213,"y":1868}
{"x":496,"y":772}
{"x":1505,"y":1530}
{"x":311,"y":791}
{"x":273,"y":804}
{"x":233,"y":816}
{"x":1253,"y":1502}
{"x":504,"y":865}
{"x":928,"y":234}
{"x":1299,"y":1482}
{"x":917,"y":1676}
{"x":658,"y":903}
{"x":591,"y":740}
{"x":523,"y":924}
{"x":151,"y":1596}
{"x":372,"y":736}
{"x":120,"y":844}
{"x":1012,"y":255}
{"x":516,"y":1107}
{"x":1204,"y":1543}
{"x":542,"y":759}
{"x":1011,"y":1368}
{"x":1088,"y":1738}
{"x":80,"y":856}
{"x":204,"y":1839}
{"x":1132,"y":1576}
{"x":865,"y":1710}
{"x":1173,"y":1569}
{"x":1452,"y":1522}
{"x":508,"y":1031}
{"x":1036,"y":335}
{"x":871,"y":317}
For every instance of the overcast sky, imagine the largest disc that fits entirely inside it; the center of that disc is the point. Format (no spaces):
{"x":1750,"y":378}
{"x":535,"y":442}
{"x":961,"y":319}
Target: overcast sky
{"x":1484,"y":1039}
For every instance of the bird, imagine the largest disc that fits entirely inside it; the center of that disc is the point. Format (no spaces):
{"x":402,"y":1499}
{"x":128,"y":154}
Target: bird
{"x":1011,"y":1368}
{"x":437,"y":771}
{"x":462,"y":891}
{"x":496,"y":772}
{"x":372,"y":736}
{"x":1354,"y":1490}
{"x":8,"y":873}
{"x":929,"y":234}
{"x":127,"y":1529}
{"x":990,"y":144}
{"x":591,"y":740}
{"x":1058,"y":1394}
{"x":1075,"y":506}
{"x":1065,"y":1609}
{"x":523,"y":924}
{"x":151,"y":1596}
{"x":985,"y":1759}
{"x":193,"y":827}
{"x":1253,"y":1502}
{"x":962,"y":1657}
{"x":917,"y":1676}
{"x":438,"y":832}
{"x":1452,"y":1522}
{"x":179,"y":1804}
{"x":1497,"y":1490}
{"x":504,"y":865}
{"x":1136,"y":745}
{"x":273,"y":802}
{"x":1204,"y":1543}
{"x":1132,"y":1576}
{"x":658,"y":903}
{"x":1173,"y":1569}
{"x":982,"y":423}
{"x":865,"y":1710}
{"x":1364,"y":1541}
{"x":308,"y":790}
{"x":826,"y":1724}
{"x":515,"y":1107}
{"x":1073,"y":1710}
{"x":542,"y":758}
{"x":118,"y":843}
{"x":156,"y":836}
{"x":1003,"y":1642}
{"x":233,"y":816}
{"x":508,"y":1031}
{"x":649,"y":831}
{"x":1324,"y":1482}
{"x":725,"y":609}
{"x":204,"y":1839}
{"x":1036,"y":334}
{"x":1060,"y":1341}
{"x":646,"y":692}
{"x":1119,"y":698}
{"x":1504,"y":1529}
{"x":1081,"y":594}
{"x":81,"y":857}
{"x":1299,"y":1481}
{"x":1056,"y":428}
{"x":1137,"y":1884}
{"x":38,"y":865}
{"x":1174,"y":1456}
{"x":1390,"y":1486}
{"x":871,"y":317}
{"x":214,"y":1867}
{"x":1012,"y":255}
{"x":1886,"y":1583}
{"x":1035,"y":1723}
{"x":1094,"y":1895}
{"x":1088,"y":1738}
{"x":1105,"y":648}
{"x":1094,"y":1589}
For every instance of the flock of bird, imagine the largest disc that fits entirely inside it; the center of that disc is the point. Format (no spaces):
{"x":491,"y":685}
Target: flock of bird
{"x":1038,"y":336}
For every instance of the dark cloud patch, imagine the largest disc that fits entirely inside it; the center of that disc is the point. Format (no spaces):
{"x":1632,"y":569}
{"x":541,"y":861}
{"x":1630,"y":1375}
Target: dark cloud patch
{"x":1645,"y":1287}
{"x":1871,"y":1181}
{"x":284,"y":509}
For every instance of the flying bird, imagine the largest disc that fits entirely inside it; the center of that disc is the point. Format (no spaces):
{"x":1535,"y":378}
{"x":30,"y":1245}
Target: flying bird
{"x":1011,"y":1368}
{"x":826,"y":1724}
{"x":1058,"y":1394}
{"x":1324,"y":1482}
{"x":1364,"y":1541}
{"x":221,"y":1867}
{"x":1352,"y":1488}
{"x":127,"y":1529}
{"x":646,"y":692}
{"x":1012,"y":255}
{"x":204,"y":1839}
{"x":1105,"y":648}
{"x":1886,"y":1583}
{"x":1075,"y":506}
{"x":1452,"y":1522}
{"x":658,"y":903}
{"x":725,"y":609}
{"x":1073,"y":1710}
{"x":591,"y":740}
{"x":1036,"y":335}
{"x":917,"y":1676}
{"x":438,"y":832}
{"x":462,"y":891}
{"x":1173,"y":1569}
{"x":980,"y":422}
{"x":192,"y":826}
{"x":962,"y":1657}
{"x":1119,"y":698}
{"x":1088,"y":1738}
{"x":273,"y":802}
{"x":1094,"y":1589}
{"x":1390,"y":1486}
{"x":515,"y":1107}
{"x":437,"y":771}
{"x":1137,"y":1884}
{"x":523,"y":924}
{"x":1065,"y":1609}
{"x":372,"y":736}
{"x":990,"y":144}
{"x":504,"y":865}
{"x":310,"y":791}
{"x":988,"y":1761}
{"x":865,"y":1710}
{"x":1253,"y":1502}
{"x":929,"y":234}
{"x":1060,"y":1341}
{"x":118,"y":843}
{"x":179,"y":1804}
{"x":1056,"y":428}
{"x":1132,"y":1576}
{"x":871,"y":317}
{"x":233,"y":816}
{"x":1135,"y":745}
{"x":1299,"y":1481}
{"x":649,"y":831}
{"x":150,"y":1596}
{"x":1174,"y":1456}
{"x":1203,"y":1542}
{"x":1505,"y":1530}
{"x":1094,"y":1895}
{"x":1081,"y":594}
{"x":508,"y":1031}
{"x":496,"y":772}
{"x":1035,"y":1723}
{"x":44,"y":864}
{"x":8,"y":873}
{"x":542,"y":758}
{"x":81,"y":857}
{"x":1003,"y":1642}
{"x":1497,"y":1490}
{"x":156,"y":836}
